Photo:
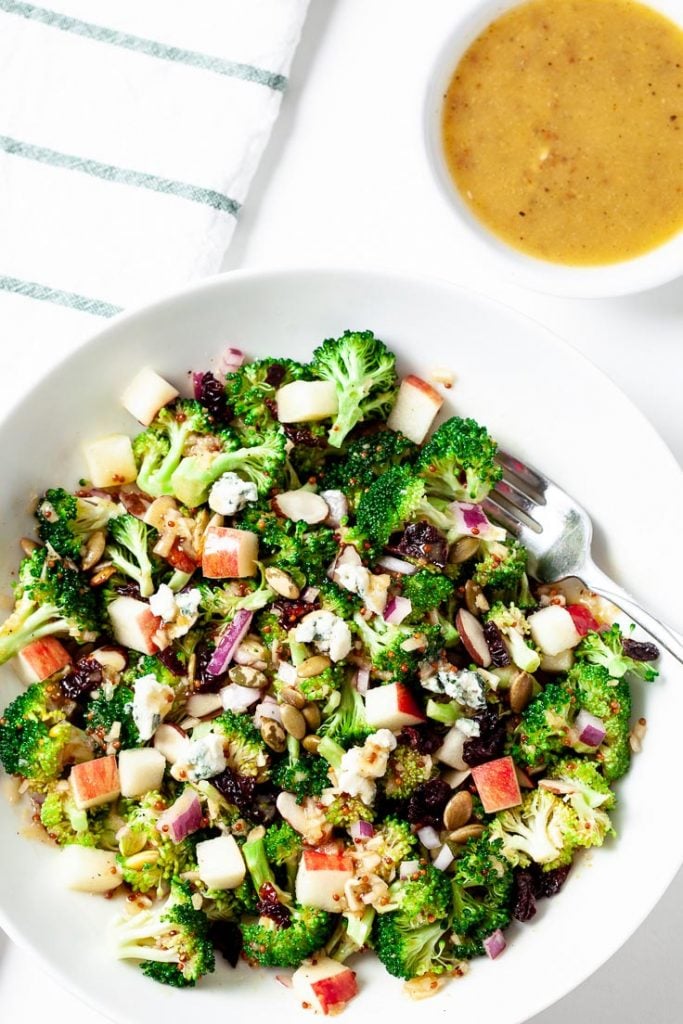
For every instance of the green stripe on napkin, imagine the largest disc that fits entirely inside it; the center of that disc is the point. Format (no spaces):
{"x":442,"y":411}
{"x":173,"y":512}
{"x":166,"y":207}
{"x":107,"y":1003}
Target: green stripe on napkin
{"x":33,"y":290}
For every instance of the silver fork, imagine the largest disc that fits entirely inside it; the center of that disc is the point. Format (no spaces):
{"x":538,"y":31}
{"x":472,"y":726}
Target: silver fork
{"x":557,"y":532}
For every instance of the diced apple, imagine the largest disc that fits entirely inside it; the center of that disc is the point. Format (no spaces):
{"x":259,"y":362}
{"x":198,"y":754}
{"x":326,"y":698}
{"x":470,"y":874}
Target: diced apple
{"x":172,"y":742}
{"x":220,"y":863}
{"x":553,"y":630}
{"x":134,"y":625}
{"x":95,"y":782}
{"x":41,"y":659}
{"x":324,"y":984}
{"x":416,"y":406}
{"x":140,"y":770}
{"x":321,"y":878}
{"x":146,"y":394}
{"x":305,"y":401}
{"x":450,"y":751}
{"x":497,"y":784}
{"x":561,"y":662}
{"x":228,"y":553}
{"x":84,"y":869}
{"x":110,"y":461}
{"x":392,"y":707}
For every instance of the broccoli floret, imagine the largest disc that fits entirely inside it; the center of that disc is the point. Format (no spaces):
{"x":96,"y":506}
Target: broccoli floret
{"x":324,"y":685}
{"x":292,"y":546}
{"x":36,"y":740}
{"x":394,"y":499}
{"x":589,"y":794}
{"x":346,"y":722}
{"x":351,"y":935}
{"x":282,"y":845}
{"x":515,"y":628}
{"x":545,"y":730}
{"x":227,"y":904}
{"x":543,"y":830}
{"x":245,"y":751}
{"x":607,"y":649}
{"x":148,"y":858}
{"x":309,"y":454}
{"x":393,"y":649}
{"x":51,"y":599}
{"x":610,"y":701}
{"x":301,"y":931}
{"x":458,"y":461}
{"x":171,"y":941}
{"x":251,"y":389}
{"x":219,"y":603}
{"x":337,"y":600}
{"x":346,"y":810}
{"x":301,"y":774}
{"x":407,"y":768}
{"x":159,"y":449}
{"x":108,"y":706}
{"x":502,"y":565}
{"x":129,"y":551}
{"x":67,"y":825}
{"x":261,"y":463}
{"x":423,"y":897}
{"x":482,"y":893}
{"x":426,"y":590}
{"x":364,"y":460}
{"x":363,"y":371}
{"x":413,"y":940}
{"x":65,"y":521}
{"x":150,"y":665}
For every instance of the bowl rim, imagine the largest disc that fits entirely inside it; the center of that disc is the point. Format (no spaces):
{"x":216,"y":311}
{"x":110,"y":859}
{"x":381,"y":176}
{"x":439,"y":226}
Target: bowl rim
{"x":656,"y":267}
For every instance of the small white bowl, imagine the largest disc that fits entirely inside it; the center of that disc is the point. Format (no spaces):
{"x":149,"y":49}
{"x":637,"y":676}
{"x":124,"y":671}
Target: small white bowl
{"x":665,"y":263}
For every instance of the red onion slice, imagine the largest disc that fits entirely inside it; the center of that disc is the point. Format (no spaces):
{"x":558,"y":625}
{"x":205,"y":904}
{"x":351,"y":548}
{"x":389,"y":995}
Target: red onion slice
{"x":229,"y":642}
{"x":310,"y":595}
{"x":230,"y":359}
{"x":494,"y":944}
{"x":287,"y":673}
{"x":471,"y":520}
{"x":238,"y":698}
{"x":399,"y":565}
{"x":182,"y":818}
{"x":397,"y":609}
{"x":591,"y":730}
{"x":361,"y":830}
{"x":363,"y":680}
{"x":444,"y":858}
{"x":197,"y":379}
{"x":408,"y":869}
{"x":429,"y":837}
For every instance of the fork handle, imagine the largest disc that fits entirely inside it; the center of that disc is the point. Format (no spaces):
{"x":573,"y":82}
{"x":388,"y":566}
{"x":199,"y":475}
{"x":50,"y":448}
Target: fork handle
{"x":669,"y":639}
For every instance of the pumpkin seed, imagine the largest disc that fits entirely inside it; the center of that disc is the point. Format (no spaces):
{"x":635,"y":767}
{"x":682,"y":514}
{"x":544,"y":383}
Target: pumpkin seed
{"x":290,"y":695}
{"x":521,"y":691}
{"x":247,"y":675}
{"x":282,"y":583}
{"x":313,"y":666}
{"x":274,"y":735}
{"x":312,"y":715}
{"x":293,"y":721}
{"x":458,"y":811}
{"x":461,"y":835}
{"x":311,"y":743}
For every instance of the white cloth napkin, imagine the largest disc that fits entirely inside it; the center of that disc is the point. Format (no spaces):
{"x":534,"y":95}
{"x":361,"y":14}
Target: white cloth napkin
{"x":129,"y":133}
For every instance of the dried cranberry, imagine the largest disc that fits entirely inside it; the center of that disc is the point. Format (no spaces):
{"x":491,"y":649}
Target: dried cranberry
{"x":170,"y":659}
{"x":489,"y":743}
{"x":84,"y":677}
{"x":237,"y":789}
{"x":269,"y":906}
{"x":425,"y":739}
{"x":212,"y":395}
{"x":289,"y":612}
{"x":496,"y":645}
{"x":205,"y":681}
{"x":303,"y":435}
{"x":227,"y":940}
{"x":427,"y":804}
{"x":549,"y":883}
{"x":523,"y":895}
{"x":129,"y":589}
{"x":271,"y":406}
{"x":275,"y":375}
{"x":422,"y":540}
{"x":639,"y":651}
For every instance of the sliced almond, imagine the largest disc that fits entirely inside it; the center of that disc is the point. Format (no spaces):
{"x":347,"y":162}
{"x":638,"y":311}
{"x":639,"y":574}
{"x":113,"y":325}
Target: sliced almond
{"x":156,"y":513}
{"x":301,"y":505}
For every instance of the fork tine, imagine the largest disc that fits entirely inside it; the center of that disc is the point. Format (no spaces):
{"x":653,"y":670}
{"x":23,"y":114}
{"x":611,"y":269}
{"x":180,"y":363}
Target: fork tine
{"x":525,"y":474}
{"x":501,"y":516}
{"x":514,"y":496}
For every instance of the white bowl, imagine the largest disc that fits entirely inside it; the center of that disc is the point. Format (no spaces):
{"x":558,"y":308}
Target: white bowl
{"x":543,"y":401}
{"x":635,"y":275}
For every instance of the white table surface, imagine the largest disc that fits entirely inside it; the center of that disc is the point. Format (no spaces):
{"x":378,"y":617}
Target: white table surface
{"x":345,"y":181}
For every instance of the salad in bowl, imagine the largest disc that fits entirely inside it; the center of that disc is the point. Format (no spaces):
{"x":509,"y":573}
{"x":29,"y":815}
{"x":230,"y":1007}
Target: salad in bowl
{"x":291,"y":697}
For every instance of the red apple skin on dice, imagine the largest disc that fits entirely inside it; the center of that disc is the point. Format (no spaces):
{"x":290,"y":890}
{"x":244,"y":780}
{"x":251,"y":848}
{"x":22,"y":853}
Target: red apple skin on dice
{"x":392,"y":707}
{"x":324,"y":985}
{"x":497,"y":784}
{"x":41,"y":659}
{"x":95,"y":782}
{"x":228,"y":553}
{"x":321,"y":878}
